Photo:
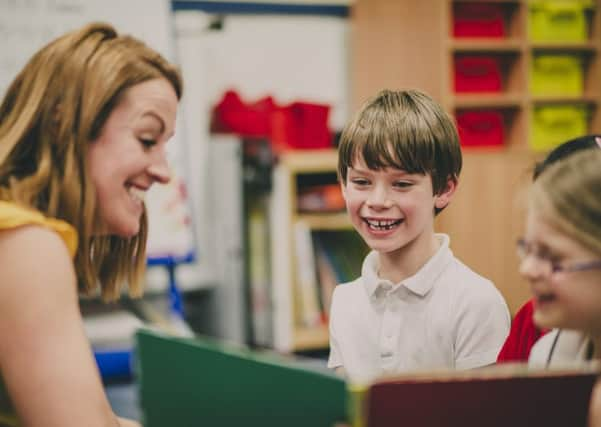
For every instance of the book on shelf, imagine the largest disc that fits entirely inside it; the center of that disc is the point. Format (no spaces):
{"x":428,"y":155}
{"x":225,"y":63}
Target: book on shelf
{"x":344,"y":250}
{"x":309,"y":312}
{"x":323,"y":198}
{"x":258,"y":257}
{"x":209,"y":382}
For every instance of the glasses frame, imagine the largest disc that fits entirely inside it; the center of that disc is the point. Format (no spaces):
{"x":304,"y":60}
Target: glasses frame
{"x":523,"y":251}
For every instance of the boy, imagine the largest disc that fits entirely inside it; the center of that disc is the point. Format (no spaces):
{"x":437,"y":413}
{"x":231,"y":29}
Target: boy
{"x":415,"y":305}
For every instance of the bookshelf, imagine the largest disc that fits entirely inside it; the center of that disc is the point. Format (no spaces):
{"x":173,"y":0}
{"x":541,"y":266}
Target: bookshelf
{"x":409,"y":44}
{"x":295,"y":170}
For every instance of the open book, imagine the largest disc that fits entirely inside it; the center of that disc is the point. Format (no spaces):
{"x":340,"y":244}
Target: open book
{"x":186,"y":382}
{"x":508,"y":395}
{"x":199,"y":381}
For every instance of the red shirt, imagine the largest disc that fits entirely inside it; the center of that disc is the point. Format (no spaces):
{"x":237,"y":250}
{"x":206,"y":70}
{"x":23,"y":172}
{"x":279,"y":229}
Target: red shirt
{"x":522,"y":336}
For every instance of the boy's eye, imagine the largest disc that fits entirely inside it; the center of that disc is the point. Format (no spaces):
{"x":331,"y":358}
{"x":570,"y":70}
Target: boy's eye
{"x":402,"y":184}
{"x":359,"y":181}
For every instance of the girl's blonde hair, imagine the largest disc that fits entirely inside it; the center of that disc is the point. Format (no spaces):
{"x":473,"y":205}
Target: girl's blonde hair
{"x":568,"y":194}
{"x":56,"y":105}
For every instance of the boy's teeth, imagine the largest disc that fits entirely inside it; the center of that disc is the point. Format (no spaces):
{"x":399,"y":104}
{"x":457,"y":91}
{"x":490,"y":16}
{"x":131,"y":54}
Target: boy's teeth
{"x":136,"y":193}
{"x":384,"y":224}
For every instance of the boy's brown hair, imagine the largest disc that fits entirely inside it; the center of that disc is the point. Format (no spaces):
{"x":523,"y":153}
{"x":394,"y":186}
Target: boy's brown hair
{"x":406,"y":130}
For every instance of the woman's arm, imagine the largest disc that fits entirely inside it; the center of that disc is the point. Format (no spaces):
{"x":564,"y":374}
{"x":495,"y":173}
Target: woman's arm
{"x":45,"y":358}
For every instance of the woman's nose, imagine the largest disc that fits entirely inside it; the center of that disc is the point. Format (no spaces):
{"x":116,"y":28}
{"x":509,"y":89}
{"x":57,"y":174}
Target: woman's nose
{"x":159,"y":168}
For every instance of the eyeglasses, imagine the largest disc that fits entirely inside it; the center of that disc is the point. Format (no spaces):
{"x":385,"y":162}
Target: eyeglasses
{"x":550,"y":266}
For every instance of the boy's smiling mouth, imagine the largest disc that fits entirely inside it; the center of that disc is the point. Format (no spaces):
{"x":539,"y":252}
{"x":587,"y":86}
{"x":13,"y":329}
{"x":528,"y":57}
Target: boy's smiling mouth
{"x":382,"y":224}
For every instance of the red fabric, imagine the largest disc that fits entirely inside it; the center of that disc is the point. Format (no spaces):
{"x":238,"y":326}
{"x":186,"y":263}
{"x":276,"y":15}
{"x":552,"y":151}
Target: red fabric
{"x":522,"y":336}
{"x":299,"y":125}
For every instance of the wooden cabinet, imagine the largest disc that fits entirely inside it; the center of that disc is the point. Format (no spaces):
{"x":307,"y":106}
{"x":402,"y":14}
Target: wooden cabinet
{"x":410,"y":44}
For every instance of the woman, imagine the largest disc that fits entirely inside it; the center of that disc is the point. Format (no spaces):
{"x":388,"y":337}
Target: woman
{"x":83,"y":129}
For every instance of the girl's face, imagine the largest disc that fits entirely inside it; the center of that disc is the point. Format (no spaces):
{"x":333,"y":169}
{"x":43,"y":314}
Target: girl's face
{"x":129,"y":155}
{"x":563,"y":299}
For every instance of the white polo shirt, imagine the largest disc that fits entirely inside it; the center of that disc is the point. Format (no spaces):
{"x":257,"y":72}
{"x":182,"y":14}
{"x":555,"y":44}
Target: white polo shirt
{"x":444,"y":316}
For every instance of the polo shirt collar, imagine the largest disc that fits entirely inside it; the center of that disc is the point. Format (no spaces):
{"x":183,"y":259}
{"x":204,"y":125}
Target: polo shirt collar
{"x":420,"y":283}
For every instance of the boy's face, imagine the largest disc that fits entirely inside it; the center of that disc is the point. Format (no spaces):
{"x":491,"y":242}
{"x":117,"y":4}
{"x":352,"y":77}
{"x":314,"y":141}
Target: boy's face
{"x":390,"y":208}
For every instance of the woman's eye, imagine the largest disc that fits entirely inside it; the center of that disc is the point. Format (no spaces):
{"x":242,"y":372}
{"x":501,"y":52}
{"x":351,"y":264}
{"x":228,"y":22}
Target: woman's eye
{"x":148,"y":143}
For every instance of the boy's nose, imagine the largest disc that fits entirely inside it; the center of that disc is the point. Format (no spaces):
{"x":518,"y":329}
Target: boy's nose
{"x":378,"y":197}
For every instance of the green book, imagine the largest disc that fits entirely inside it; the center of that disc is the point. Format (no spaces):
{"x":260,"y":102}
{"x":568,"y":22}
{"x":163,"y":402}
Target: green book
{"x":189,"y":382}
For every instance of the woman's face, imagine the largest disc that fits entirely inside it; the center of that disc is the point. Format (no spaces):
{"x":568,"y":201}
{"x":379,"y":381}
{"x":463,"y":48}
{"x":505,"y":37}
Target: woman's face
{"x":129,"y":156}
{"x":563,"y":299}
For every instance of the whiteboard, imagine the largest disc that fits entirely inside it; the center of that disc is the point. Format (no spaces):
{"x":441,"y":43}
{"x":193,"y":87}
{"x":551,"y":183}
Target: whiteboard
{"x":27,"y":25}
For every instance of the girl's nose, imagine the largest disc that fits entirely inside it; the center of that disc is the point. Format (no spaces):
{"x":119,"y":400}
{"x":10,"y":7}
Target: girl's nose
{"x":159,"y":168}
{"x":531,"y":268}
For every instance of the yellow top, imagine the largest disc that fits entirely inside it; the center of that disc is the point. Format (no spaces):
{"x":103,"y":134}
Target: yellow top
{"x":13,"y":216}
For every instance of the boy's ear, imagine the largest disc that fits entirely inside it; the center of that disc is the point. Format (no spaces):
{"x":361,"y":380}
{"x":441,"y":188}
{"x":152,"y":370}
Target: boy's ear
{"x":442,"y":199}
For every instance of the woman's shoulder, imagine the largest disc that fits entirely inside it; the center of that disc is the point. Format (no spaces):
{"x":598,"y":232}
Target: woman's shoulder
{"x":14,"y":216}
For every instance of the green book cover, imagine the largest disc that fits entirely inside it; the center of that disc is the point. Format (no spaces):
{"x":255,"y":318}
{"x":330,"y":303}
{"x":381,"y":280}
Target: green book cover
{"x":189,"y":382}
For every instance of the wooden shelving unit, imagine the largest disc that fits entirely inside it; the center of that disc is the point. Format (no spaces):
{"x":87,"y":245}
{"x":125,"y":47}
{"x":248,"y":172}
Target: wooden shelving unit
{"x":290,"y":335}
{"x":409,"y":44}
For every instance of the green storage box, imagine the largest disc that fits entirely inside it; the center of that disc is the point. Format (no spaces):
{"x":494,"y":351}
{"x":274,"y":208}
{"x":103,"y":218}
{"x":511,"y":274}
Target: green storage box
{"x":554,"y":124}
{"x":557,"y":75}
{"x":558,"y":20}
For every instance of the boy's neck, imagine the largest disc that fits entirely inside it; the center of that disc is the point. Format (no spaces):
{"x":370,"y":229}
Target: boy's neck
{"x":405,"y":262}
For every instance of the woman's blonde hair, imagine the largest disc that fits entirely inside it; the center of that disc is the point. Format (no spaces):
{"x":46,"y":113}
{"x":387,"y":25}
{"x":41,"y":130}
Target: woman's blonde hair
{"x":56,"y":105}
{"x":568,"y":194}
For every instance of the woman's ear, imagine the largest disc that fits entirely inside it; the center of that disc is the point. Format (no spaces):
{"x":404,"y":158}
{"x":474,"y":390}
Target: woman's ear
{"x":442,"y":199}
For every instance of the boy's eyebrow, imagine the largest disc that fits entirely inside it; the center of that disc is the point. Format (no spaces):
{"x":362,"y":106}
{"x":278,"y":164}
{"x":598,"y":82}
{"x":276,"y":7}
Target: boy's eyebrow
{"x":393,"y":169}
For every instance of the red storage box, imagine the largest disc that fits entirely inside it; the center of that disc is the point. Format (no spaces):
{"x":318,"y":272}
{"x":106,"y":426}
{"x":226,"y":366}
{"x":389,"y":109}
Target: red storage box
{"x":480,"y":128}
{"x":301,"y":125}
{"x":478,"y":20}
{"x":477,"y":74}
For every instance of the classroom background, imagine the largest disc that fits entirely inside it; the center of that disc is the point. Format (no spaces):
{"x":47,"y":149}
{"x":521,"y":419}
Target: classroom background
{"x":251,"y":237}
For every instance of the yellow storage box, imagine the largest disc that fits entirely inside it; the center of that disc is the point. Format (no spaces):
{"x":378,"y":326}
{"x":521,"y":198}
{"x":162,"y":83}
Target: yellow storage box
{"x":557,"y":75}
{"x":554,"y":124}
{"x":558,"y":20}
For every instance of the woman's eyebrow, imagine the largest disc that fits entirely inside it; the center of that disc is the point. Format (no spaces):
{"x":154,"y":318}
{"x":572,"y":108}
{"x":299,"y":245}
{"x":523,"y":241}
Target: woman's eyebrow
{"x":157,"y":117}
